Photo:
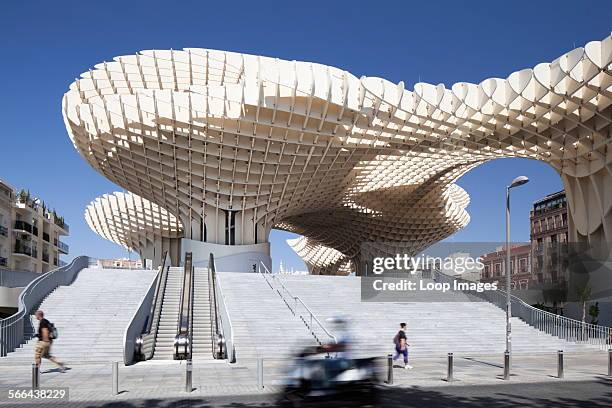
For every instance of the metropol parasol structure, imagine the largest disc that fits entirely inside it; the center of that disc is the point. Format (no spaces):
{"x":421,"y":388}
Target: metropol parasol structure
{"x":136,"y":224}
{"x":235,"y":145}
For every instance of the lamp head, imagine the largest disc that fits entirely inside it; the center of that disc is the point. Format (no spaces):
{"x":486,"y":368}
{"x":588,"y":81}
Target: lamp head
{"x":519,"y":181}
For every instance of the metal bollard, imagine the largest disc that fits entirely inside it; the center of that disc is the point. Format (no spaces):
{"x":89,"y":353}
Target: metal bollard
{"x":260,"y":383}
{"x":188,"y":376}
{"x":390,"y":369}
{"x":560,"y":364}
{"x":506,"y":365}
{"x":35,"y":377}
{"x":610,"y":362}
{"x":115,"y":377}
{"x":449,"y":369}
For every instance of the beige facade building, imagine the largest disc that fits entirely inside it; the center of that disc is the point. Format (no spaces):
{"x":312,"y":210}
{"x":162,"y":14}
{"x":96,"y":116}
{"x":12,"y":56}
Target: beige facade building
{"x":520,"y":266}
{"x":30,"y":232}
{"x":121,"y":263}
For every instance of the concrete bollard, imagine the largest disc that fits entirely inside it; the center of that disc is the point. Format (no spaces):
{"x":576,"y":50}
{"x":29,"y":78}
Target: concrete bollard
{"x":449,"y":368}
{"x":560,"y":364}
{"x":506,"y":365}
{"x":35,"y":377}
{"x":115,"y":377}
{"x":390,"y":369}
{"x":610,"y":362}
{"x":189,"y":376}
{"x":260,"y":381}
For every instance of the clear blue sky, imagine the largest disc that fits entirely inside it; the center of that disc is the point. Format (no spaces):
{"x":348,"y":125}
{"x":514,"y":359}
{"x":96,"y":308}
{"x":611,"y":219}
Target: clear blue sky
{"x":46,"y":44}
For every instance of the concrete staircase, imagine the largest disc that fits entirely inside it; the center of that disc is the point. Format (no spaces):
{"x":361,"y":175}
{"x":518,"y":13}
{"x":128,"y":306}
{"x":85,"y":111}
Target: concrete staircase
{"x":202,"y":339}
{"x":448,"y":324}
{"x":91,"y":316}
{"x":168,"y":320}
{"x":263,"y":325}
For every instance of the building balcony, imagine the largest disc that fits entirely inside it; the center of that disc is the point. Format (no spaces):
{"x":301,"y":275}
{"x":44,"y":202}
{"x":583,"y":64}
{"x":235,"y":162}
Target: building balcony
{"x":62,"y":224}
{"x":23,"y":226}
{"x":26,"y":204}
{"x":63,"y":248}
{"x":23,"y":249}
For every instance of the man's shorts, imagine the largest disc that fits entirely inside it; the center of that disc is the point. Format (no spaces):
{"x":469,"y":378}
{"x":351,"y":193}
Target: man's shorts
{"x":42,"y":350}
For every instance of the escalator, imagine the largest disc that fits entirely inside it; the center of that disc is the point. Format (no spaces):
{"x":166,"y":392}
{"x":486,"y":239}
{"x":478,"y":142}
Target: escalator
{"x":183,"y":341}
{"x":183,"y":321}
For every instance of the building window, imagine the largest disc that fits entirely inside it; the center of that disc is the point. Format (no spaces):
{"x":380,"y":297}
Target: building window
{"x":540,"y":244}
{"x":523,"y":265}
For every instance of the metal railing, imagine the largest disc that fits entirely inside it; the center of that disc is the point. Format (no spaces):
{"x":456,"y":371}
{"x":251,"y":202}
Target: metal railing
{"x":226,"y":330}
{"x":16,"y":329}
{"x":559,"y":326}
{"x":215,"y":330}
{"x":141,"y":333}
{"x":297,"y":306}
{"x":63,"y":247}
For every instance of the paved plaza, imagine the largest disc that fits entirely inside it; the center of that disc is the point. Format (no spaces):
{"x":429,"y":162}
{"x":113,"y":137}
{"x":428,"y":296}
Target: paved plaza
{"x":595,"y":393}
{"x":165,"y":380}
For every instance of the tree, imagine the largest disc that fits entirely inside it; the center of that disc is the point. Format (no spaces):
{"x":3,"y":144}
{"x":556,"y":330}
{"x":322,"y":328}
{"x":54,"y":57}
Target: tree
{"x":594,"y":313}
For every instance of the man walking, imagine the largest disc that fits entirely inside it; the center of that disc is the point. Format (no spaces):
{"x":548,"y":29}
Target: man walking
{"x":401,"y":346}
{"x":45,"y":338}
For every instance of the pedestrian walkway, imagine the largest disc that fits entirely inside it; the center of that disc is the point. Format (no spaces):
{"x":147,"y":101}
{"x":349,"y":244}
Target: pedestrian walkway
{"x":166,"y":379}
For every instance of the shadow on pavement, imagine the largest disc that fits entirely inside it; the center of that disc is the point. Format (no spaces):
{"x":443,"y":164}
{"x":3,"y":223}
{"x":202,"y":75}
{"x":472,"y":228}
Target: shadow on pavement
{"x":592,"y":394}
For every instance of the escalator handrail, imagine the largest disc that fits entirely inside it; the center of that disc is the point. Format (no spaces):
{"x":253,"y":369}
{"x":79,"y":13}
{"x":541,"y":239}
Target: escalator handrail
{"x":183,"y":320}
{"x":225,"y":322}
{"x":184,"y":323}
{"x":162,"y":275}
{"x":190,"y":328}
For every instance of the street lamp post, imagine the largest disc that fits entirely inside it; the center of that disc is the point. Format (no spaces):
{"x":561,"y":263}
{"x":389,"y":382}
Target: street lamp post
{"x":520,"y":180}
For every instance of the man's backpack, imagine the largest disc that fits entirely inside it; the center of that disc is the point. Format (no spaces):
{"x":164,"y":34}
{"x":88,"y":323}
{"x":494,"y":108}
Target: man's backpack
{"x":52,"y":331}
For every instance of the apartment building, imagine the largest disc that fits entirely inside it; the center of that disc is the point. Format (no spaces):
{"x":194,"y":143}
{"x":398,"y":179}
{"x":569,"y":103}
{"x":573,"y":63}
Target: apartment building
{"x":30,"y":232}
{"x":544,"y":259}
{"x":520,"y":266}
{"x":549,"y":236}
